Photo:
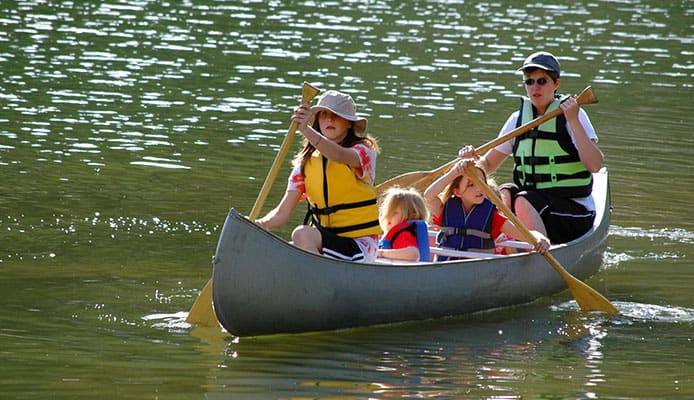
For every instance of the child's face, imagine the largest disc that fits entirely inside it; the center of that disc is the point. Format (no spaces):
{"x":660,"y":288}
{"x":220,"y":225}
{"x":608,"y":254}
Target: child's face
{"x":333,"y":126}
{"x":395,"y":217}
{"x":468,"y":192}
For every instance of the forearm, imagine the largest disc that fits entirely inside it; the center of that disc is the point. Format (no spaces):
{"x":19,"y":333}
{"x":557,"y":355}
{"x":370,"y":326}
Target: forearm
{"x":273,"y":220}
{"x":589,"y":152}
{"x":491,"y":161}
{"x":333,"y":151}
{"x":432,"y":193}
{"x":410,"y":253}
{"x":587,"y":147}
{"x":280,"y":215}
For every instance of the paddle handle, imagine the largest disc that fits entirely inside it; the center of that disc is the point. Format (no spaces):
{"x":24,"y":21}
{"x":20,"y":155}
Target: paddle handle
{"x":585,"y":97}
{"x":307,"y":94}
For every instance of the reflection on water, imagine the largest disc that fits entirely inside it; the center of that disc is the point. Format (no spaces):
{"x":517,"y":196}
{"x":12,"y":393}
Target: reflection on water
{"x":129,"y":128}
{"x":484,"y":355}
{"x":487,"y":355}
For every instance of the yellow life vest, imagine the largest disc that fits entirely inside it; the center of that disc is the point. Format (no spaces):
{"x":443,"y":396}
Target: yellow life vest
{"x":338,"y":200}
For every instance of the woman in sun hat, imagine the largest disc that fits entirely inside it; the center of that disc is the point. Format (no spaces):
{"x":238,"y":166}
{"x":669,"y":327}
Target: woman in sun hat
{"x":552,"y":176}
{"x":335,"y":171}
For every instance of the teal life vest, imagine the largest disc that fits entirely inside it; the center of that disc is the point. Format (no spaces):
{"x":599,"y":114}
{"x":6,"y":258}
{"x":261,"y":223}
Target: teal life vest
{"x":466,"y":232}
{"x":546,"y":159}
{"x":418,"y":228}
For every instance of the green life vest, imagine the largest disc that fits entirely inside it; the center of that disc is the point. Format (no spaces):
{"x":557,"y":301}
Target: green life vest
{"x":546,"y":159}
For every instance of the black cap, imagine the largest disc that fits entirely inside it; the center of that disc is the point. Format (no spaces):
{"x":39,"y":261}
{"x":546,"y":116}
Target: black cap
{"x":542,"y":60}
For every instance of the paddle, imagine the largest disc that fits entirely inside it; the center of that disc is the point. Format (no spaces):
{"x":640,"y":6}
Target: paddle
{"x":586,"y":297}
{"x":420,"y":180}
{"x":202,"y":313}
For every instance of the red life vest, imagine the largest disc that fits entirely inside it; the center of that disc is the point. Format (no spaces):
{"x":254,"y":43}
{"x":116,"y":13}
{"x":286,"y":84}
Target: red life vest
{"x":420,"y":231}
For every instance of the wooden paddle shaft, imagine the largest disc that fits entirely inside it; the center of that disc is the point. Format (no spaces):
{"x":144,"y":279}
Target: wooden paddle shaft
{"x":307,"y":94}
{"x":585,"y":97}
{"x":587,"y":298}
{"x":201,"y":312}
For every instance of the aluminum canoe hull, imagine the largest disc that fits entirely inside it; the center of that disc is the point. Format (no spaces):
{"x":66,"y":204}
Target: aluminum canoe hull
{"x":264,"y":285}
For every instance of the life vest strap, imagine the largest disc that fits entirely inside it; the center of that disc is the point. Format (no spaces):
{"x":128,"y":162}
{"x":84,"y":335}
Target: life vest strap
{"x":450,"y":231}
{"x":337,"y":207}
{"x":542,"y":178}
{"x":540,"y":160}
{"x":343,"y":229}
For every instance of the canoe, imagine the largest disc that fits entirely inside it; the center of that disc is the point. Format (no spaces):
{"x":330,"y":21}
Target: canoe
{"x":264,"y":285}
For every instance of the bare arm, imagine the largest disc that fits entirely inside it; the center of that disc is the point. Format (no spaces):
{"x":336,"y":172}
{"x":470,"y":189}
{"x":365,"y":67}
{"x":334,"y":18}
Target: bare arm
{"x":492,"y":160}
{"x":410,"y":253}
{"x":431,"y":194}
{"x":542,"y":242}
{"x":279,"y":216}
{"x":333,"y":151}
{"x":588,"y":150}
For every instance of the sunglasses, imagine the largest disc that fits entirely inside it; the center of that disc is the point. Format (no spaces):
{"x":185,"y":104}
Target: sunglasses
{"x":531,"y":81}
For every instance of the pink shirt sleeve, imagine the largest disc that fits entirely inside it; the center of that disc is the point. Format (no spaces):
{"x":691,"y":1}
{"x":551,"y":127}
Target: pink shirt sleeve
{"x":367,"y":160}
{"x":296,"y":181}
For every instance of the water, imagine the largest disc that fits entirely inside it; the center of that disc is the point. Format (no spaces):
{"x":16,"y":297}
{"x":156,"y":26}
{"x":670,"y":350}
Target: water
{"x":129,"y":128}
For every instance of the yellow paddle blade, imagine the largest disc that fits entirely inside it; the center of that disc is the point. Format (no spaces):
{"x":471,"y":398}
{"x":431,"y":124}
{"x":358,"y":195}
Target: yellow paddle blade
{"x":590,"y":300}
{"x":586,"y":297}
{"x":202,"y":313}
{"x":405,"y":180}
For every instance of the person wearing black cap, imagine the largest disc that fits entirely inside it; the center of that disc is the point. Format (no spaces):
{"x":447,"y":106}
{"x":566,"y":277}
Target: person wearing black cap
{"x":552,"y":176}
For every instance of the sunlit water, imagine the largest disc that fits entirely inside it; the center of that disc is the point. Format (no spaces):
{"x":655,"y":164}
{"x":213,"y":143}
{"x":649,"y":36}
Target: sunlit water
{"x":129,"y":128}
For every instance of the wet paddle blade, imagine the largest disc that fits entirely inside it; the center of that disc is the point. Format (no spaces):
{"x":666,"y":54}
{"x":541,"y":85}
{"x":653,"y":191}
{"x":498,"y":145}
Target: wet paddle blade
{"x":202,"y":313}
{"x":590,"y":300}
{"x":586,"y":297}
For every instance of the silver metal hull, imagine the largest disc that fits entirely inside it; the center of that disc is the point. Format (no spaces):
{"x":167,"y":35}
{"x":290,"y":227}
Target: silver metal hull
{"x":264,"y":285}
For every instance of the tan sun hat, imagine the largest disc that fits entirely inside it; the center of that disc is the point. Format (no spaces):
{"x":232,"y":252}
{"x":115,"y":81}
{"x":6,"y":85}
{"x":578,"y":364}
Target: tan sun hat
{"x":342,"y":105}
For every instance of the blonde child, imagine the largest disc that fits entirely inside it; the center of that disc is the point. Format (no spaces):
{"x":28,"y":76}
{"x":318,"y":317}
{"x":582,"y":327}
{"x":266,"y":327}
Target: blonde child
{"x":468,"y":220}
{"x":403,"y":214}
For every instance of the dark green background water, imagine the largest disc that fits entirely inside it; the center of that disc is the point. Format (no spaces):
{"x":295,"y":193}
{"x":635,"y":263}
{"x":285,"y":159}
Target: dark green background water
{"x":128,"y":129}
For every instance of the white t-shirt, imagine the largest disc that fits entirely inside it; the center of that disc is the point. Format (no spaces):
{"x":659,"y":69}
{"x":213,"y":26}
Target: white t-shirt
{"x":507,"y":147}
